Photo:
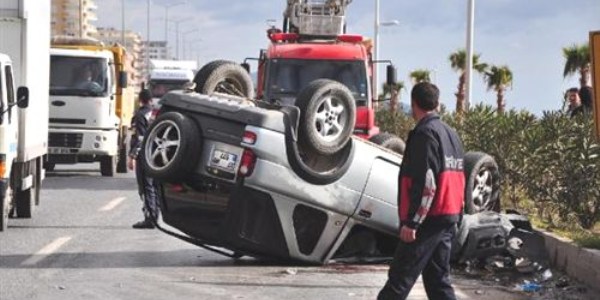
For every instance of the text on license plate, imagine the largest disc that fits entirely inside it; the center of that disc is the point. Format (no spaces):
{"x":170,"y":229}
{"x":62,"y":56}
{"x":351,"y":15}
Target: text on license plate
{"x":223,"y":160}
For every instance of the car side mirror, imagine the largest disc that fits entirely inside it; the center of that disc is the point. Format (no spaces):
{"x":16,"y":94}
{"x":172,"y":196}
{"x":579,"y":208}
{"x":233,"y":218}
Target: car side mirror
{"x":123,"y":79}
{"x":246,"y":67}
{"x":391,"y":75}
{"x":22,"y":97}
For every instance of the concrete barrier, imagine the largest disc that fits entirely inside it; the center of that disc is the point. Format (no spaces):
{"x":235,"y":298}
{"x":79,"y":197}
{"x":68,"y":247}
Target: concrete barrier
{"x":580,"y":263}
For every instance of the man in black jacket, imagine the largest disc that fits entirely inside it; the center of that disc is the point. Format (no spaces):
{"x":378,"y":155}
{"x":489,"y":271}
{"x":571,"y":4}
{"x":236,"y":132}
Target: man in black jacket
{"x":430,"y":202}
{"x":146,"y":188}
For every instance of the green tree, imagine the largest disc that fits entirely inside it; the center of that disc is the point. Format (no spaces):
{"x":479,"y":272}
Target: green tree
{"x":420,"y":75}
{"x":498,"y":79}
{"x":458,"y":62}
{"x":394,"y":92}
{"x":577,"y":60}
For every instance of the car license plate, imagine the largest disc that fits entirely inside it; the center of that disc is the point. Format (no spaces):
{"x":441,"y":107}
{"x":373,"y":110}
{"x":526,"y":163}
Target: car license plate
{"x":223,"y":160}
{"x":59,"y":150}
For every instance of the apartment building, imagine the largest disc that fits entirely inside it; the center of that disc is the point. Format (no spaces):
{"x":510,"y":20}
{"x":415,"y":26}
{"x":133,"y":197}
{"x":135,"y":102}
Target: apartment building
{"x":133,"y":43}
{"x":73,"y":17}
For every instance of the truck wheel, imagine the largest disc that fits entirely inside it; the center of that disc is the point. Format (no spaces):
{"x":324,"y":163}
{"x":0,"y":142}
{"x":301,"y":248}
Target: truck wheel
{"x":327,"y":116}
{"x":482,"y":189}
{"x":389,"y":141}
{"x":171,"y":148}
{"x":108,"y":165}
{"x":5,"y":206}
{"x":49,"y":166}
{"x":123,"y":151}
{"x":25,"y":200}
{"x":224,"y":77}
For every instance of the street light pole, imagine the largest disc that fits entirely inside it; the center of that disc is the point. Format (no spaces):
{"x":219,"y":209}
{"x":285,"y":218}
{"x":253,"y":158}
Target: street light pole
{"x":148,"y":38}
{"x":183,"y":35}
{"x":470,"y":38}
{"x":167,"y":7}
{"x":123,"y":22}
{"x":376,"y":54}
{"x":177,"y":23}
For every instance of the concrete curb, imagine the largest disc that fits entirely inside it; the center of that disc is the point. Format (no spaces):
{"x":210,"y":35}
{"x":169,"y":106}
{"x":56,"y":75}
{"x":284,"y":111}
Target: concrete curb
{"x":580,"y":263}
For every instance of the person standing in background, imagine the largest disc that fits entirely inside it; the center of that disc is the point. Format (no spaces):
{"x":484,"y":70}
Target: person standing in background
{"x":146,"y":188}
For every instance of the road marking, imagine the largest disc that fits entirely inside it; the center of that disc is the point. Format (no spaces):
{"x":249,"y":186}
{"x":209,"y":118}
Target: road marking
{"x":46,"y":251}
{"x":112,"y":204}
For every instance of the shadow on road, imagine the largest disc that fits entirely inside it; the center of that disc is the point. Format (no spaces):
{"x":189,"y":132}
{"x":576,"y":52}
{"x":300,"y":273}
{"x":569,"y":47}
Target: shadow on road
{"x":76,"y":181}
{"x":156,"y":259}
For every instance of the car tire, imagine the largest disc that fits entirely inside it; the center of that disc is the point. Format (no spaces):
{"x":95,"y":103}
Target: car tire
{"x":108,"y":165}
{"x":312,"y":167}
{"x":224,"y":77}
{"x":327,"y":117}
{"x":170,"y":149}
{"x":482,"y":188}
{"x":389,"y":141}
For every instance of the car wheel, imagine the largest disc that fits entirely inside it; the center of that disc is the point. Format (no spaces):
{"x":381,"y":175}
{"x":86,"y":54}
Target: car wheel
{"x":389,"y":141}
{"x":482,"y":189}
{"x":225,"y":77}
{"x":327,"y":116}
{"x":170,"y":149}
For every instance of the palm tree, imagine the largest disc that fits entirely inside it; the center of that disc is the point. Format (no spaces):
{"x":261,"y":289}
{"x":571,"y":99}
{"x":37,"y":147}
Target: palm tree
{"x":578,"y":60}
{"x":420,"y":75}
{"x":499,"y":79}
{"x":394,"y":92}
{"x":458,"y":62}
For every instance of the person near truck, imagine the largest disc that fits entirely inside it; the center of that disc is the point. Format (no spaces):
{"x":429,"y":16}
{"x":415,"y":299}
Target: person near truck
{"x":575,"y":105}
{"x":146,"y":187}
{"x":430,"y":202}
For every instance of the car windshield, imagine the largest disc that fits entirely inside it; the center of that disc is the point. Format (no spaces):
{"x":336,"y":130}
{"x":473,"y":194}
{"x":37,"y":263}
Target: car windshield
{"x":160,"y":87}
{"x":78,"y":76}
{"x":288,"y":77}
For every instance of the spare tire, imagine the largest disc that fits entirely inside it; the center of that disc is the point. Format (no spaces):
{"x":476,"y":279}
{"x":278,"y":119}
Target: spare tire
{"x":389,"y":141}
{"x":482,"y":188}
{"x":327,"y":116}
{"x":227,"y":77}
{"x":170,"y":149}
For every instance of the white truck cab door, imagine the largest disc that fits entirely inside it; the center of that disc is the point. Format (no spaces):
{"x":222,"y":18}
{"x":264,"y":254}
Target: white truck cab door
{"x":9,"y":119}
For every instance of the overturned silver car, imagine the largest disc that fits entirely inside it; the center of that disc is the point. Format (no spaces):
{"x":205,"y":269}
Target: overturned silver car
{"x":285,"y":182}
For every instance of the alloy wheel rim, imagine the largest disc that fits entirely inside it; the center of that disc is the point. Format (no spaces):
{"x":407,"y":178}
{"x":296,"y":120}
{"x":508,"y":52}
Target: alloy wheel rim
{"x":163,"y":145}
{"x":331,"y":118}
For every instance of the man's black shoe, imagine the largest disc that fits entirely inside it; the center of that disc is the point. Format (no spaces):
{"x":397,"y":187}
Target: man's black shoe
{"x":146,"y":224}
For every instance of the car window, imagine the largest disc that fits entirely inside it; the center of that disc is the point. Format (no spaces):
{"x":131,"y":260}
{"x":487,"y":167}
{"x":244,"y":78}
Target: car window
{"x":10,"y":90}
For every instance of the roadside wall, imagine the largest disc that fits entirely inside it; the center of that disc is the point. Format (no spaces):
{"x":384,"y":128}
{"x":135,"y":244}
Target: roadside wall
{"x":580,"y":263}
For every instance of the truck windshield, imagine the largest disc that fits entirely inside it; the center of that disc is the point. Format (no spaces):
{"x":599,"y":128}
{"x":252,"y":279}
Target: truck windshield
{"x":287,"y":77}
{"x":78,"y":76}
{"x":160,"y":87}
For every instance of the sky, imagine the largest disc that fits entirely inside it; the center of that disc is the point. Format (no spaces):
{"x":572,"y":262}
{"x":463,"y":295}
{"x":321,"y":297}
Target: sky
{"x":527,"y":36}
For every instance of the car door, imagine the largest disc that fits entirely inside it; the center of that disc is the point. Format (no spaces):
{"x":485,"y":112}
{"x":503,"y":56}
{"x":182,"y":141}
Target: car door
{"x":378,"y":207}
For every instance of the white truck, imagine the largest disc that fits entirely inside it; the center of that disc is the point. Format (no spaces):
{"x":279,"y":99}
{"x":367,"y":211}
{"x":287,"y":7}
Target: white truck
{"x":24,"y":44}
{"x":90,"y":104}
{"x":168,"y":75}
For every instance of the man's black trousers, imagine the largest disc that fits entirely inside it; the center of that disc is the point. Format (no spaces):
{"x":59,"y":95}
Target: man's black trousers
{"x":147,"y":191}
{"x":429,"y":255}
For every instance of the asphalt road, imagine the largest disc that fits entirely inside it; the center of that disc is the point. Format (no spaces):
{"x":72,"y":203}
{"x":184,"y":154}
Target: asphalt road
{"x":80,"y":245}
